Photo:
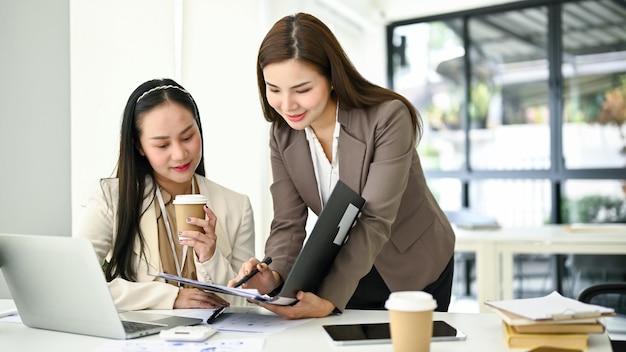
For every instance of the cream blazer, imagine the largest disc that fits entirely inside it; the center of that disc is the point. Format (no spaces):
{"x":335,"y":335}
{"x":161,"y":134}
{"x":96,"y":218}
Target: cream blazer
{"x":401,"y":230}
{"x":235,"y":243}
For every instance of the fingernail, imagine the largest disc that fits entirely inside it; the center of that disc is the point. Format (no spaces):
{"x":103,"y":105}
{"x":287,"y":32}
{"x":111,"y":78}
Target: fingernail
{"x":188,"y":219}
{"x":180,"y":233}
{"x":180,"y":240}
{"x":206,"y":206}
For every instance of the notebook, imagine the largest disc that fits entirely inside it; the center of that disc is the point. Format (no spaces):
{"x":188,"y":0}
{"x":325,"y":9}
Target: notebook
{"x":58,"y":284}
{"x":317,"y":255}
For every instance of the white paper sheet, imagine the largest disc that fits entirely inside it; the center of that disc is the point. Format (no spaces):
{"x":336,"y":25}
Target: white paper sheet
{"x":245,"y":320}
{"x":140,"y":345}
{"x":250,"y":323}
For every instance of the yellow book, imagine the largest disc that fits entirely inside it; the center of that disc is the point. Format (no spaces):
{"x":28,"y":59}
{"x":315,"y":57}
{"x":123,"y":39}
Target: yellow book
{"x":578,"y":227}
{"x":587,"y":328}
{"x":515,"y":339}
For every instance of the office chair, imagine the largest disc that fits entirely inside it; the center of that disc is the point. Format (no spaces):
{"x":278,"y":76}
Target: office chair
{"x":610,"y":294}
{"x":589,"y":269}
{"x":613,"y":295}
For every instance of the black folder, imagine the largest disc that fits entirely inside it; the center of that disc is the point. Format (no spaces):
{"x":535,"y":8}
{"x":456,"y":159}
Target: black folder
{"x":328,"y":235}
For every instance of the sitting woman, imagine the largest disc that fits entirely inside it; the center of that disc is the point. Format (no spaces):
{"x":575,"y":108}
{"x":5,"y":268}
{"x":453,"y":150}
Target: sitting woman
{"x":130,"y":219}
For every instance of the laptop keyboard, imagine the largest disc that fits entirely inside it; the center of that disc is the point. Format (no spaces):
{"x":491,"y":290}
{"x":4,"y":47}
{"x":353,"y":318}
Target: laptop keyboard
{"x":135,"y":326}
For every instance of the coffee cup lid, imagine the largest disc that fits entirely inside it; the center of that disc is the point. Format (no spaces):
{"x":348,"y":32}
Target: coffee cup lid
{"x":410,"y":301}
{"x":190,"y":199}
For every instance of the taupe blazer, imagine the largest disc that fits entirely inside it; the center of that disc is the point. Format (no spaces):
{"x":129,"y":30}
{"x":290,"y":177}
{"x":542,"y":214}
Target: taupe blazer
{"x":235,"y":243}
{"x":402,"y":230}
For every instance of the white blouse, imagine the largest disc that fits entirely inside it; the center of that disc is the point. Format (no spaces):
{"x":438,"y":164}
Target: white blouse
{"x":326,"y":172}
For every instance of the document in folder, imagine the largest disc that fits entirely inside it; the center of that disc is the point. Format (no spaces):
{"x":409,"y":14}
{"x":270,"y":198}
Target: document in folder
{"x":247,"y":293}
{"x":551,"y":307}
{"x":316,"y":257}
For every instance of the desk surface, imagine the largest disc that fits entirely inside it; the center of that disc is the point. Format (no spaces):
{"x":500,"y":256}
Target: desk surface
{"x":548,"y":234}
{"x":483,"y":330}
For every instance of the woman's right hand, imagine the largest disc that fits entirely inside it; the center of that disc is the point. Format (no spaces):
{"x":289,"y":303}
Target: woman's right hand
{"x":265,"y":281}
{"x":197,"y":298}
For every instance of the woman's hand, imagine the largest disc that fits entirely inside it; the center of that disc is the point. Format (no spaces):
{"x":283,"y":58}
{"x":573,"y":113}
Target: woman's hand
{"x":196,"y":298}
{"x":309,"y":306}
{"x":202,"y":243}
{"x":265,"y":281}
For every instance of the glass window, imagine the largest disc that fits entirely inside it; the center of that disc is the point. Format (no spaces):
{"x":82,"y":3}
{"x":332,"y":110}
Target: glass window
{"x":514,"y":203}
{"x":594,"y":201}
{"x":446,"y":191}
{"x":428,"y":67}
{"x":594,"y":71}
{"x":508,"y":110}
{"x":523,"y":104}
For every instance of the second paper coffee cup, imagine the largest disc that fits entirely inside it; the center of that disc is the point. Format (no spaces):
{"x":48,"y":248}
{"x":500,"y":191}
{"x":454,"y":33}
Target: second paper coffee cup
{"x":189,"y":206}
{"x":411,"y":320}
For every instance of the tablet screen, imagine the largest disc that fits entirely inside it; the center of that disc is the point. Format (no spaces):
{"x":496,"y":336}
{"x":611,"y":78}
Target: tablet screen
{"x":355,"y":334}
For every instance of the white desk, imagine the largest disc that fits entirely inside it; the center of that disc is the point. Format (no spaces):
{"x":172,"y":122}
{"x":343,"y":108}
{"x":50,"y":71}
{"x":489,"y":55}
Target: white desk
{"x":494,"y":251}
{"x":484,"y":333}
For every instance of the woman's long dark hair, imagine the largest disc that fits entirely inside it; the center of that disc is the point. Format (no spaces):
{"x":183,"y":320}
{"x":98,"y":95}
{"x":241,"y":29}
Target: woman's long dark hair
{"x":133,"y":169}
{"x":304,"y":37}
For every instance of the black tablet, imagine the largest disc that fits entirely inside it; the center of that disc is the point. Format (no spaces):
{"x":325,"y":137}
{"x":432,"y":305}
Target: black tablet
{"x":375,"y":333}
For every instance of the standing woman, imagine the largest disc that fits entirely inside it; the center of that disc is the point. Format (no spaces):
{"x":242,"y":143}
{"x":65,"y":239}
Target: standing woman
{"x":330,"y":123}
{"x":130,"y":219}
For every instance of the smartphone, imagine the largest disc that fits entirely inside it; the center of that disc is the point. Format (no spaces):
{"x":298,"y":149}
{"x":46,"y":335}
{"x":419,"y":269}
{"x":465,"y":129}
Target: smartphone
{"x":376,"y":333}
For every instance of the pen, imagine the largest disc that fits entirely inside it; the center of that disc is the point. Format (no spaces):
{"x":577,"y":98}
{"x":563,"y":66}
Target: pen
{"x":216,"y":314}
{"x":8,"y":313}
{"x":267,"y":260}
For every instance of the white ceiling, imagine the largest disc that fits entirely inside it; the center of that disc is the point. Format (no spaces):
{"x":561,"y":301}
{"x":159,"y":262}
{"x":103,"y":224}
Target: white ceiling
{"x":386,"y":11}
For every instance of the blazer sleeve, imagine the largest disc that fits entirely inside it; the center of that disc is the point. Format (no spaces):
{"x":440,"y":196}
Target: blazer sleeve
{"x":235,"y":231}
{"x":97,"y":224}
{"x":288,"y":227}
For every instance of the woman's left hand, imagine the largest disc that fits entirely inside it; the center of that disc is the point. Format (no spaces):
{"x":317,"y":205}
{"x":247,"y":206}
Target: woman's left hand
{"x":202,"y":243}
{"x":309,"y":306}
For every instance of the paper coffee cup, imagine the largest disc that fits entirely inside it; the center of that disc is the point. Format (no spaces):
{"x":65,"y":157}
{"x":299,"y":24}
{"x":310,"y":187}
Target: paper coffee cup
{"x":411,"y":320}
{"x":189,"y":206}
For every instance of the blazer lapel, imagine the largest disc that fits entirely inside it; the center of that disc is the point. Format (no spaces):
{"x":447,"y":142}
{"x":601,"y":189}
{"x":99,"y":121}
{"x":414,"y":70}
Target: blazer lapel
{"x":148,"y":226}
{"x":351,"y":153}
{"x":298,"y":160}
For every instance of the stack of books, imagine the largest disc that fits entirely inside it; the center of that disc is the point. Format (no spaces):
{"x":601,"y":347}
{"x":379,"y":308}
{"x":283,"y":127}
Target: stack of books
{"x":549,"y":321}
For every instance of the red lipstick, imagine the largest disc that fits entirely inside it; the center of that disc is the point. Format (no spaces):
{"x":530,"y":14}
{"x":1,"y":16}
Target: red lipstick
{"x":182,"y":167}
{"x":296,"y":118}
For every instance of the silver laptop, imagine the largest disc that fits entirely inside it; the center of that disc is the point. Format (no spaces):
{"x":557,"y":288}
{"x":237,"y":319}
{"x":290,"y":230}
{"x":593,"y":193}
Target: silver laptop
{"x":58,"y":284}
